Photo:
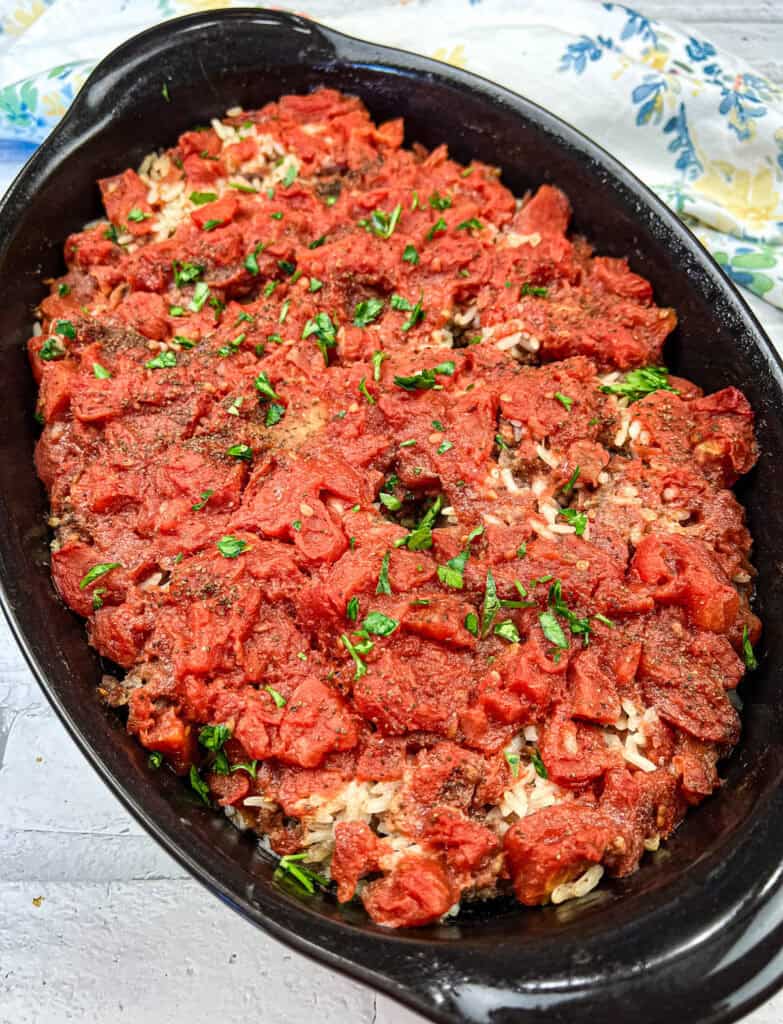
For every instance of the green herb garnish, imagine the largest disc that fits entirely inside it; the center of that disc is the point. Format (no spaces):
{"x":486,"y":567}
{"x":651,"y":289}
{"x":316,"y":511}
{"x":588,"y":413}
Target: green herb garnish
{"x":96,"y":572}
{"x":231,"y":547}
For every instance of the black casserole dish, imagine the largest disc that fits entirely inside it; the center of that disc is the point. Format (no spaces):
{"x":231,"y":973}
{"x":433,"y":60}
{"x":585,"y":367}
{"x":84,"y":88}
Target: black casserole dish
{"x":698,"y":929}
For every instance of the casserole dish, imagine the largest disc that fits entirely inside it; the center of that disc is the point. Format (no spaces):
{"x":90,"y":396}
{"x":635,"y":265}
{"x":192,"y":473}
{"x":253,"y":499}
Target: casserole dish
{"x":697,"y":930}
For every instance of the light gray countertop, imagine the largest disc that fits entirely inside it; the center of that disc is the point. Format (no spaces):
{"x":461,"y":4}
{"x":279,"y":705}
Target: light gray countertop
{"x":97,"y":924}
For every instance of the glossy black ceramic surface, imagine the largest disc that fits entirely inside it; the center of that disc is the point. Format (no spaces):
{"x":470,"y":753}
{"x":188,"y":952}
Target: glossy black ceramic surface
{"x":696,"y":935}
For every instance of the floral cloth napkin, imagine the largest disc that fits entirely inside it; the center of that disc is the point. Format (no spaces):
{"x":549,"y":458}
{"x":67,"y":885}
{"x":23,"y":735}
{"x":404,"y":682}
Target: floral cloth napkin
{"x":698,"y":125}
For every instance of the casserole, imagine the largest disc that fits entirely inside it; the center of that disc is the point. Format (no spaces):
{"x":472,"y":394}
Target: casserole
{"x":711,"y":898}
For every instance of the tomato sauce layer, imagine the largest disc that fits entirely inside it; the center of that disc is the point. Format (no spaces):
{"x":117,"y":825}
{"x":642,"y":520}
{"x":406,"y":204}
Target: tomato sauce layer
{"x":370,"y":479}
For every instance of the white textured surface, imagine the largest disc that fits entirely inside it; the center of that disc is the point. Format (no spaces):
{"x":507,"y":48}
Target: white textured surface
{"x":121,"y":933}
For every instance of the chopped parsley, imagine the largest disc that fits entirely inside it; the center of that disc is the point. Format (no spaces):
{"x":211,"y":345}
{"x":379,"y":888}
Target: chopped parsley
{"x":63,"y":289}
{"x":96,"y":572}
{"x":212,"y":737}
{"x":263,"y":385}
{"x":410,"y":255}
{"x":383,"y":577}
{"x":231,"y":547}
{"x":201,"y":198}
{"x":251,"y":260}
{"x":242,"y":188}
{"x":100,"y":372}
{"x":383,"y":224}
{"x":269,"y":287}
{"x":417,"y":314}
{"x":65,"y":328}
{"x":165,"y":94}
{"x":552,"y":630}
{"x":111,"y":234}
{"x":473,"y":224}
{"x":325,"y":334}
{"x":569,"y":485}
{"x":748,"y":653}
{"x":233,"y":345}
{"x":278,"y":698}
{"x":278,"y":215}
{"x":513,"y":762}
{"x":390,"y":501}
{"x":367,"y":311}
{"x":352,"y":609}
{"x":361,"y":668}
{"x":51,"y":349}
{"x":245,"y":766}
{"x":317,"y":242}
{"x":376,"y":359}
{"x":439,"y":202}
{"x":564,"y":400}
{"x":162,"y":361}
{"x":538,"y":764}
{"x":437,"y":228}
{"x":315,"y":285}
{"x":491,"y":605}
{"x":444,"y":446}
{"x":289,"y":865}
{"x":182,"y":341}
{"x":97,"y":598}
{"x":399,"y":302}
{"x":578,"y":626}
{"x":472,"y":623}
{"x":287,"y":267}
{"x":379,"y":624}
{"x":426,"y":380}
{"x":198,"y":784}
{"x":240,"y":451}
{"x":200,"y":296}
{"x":204,"y":498}
{"x":452,"y":572}
{"x":363,"y":391}
{"x":640,"y":383}
{"x":437,"y":425}
{"x":290,"y":176}
{"x":420,"y":539}
{"x":576,"y":519}
{"x":155,"y":760}
{"x":137,"y":215}
{"x":533,"y":289}
{"x":507,"y":631}
{"x":274,"y":414}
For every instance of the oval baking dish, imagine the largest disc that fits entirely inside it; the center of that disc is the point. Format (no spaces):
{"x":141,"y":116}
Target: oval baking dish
{"x":697,"y":931}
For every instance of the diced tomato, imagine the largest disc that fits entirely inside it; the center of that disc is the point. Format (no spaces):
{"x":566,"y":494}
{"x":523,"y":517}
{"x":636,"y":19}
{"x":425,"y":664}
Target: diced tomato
{"x":356,"y":853}
{"x":416,"y":892}
{"x":554,"y":846}
{"x":315,"y":722}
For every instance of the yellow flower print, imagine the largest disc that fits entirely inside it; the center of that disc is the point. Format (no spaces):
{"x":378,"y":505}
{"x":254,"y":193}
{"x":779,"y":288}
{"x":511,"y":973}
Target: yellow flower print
{"x":203,"y":5}
{"x":21,"y":19}
{"x":455,"y":56}
{"x":746,"y":195}
{"x":53,"y":105}
{"x":655,"y":58}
